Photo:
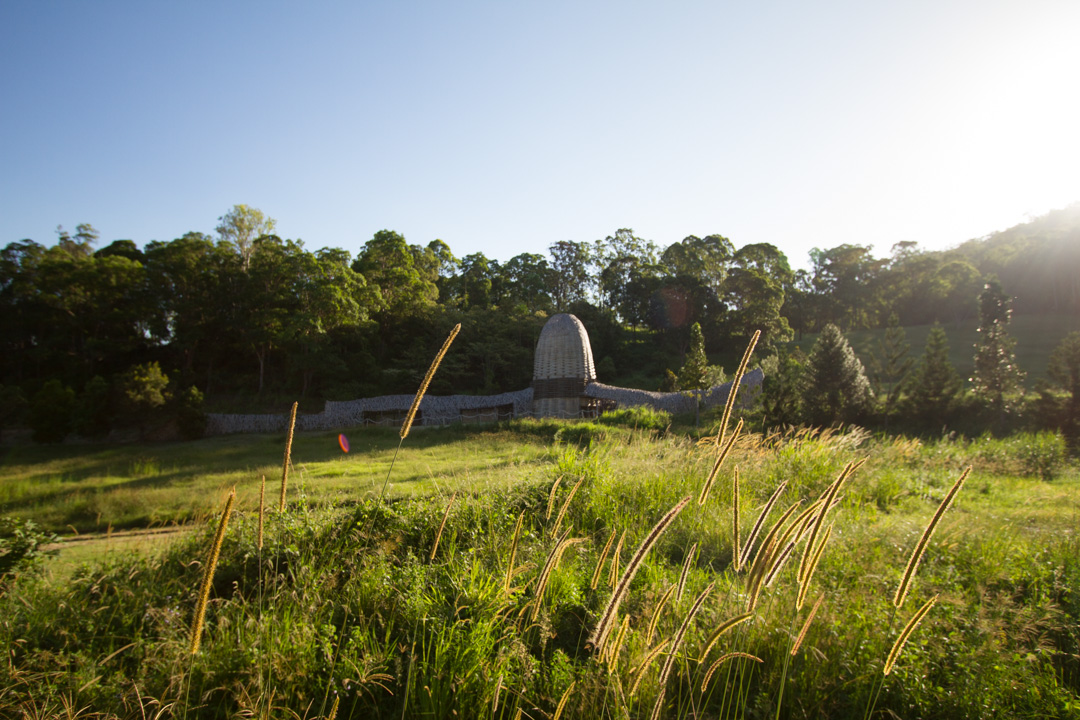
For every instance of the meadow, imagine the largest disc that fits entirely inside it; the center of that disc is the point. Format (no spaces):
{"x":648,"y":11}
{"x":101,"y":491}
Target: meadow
{"x":544,"y":569}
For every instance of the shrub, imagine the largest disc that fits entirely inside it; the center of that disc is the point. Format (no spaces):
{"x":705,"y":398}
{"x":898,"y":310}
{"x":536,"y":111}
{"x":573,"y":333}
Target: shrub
{"x":190,"y":417}
{"x":640,"y":417}
{"x":51,"y":412}
{"x":21,"y":543}
{"x":93,"y":412}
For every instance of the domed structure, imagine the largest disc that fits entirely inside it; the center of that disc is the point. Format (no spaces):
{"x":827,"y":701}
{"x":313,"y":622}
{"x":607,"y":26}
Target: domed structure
{"x":562,"y":367}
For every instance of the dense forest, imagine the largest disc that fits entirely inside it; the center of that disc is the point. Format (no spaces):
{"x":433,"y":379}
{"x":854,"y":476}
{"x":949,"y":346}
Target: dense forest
{"x":244,"y":318}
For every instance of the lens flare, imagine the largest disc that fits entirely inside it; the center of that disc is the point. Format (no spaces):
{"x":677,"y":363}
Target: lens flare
{"x":343,"y":442}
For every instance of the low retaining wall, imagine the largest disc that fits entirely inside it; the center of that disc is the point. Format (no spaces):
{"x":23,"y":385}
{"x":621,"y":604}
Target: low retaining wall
{"x":447,"y":409}
{"x":676,"y":402}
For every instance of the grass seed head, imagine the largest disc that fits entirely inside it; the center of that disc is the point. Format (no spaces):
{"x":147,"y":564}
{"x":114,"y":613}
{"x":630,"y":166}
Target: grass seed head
{"x":411,"y":415}
{"x":208,"y":575}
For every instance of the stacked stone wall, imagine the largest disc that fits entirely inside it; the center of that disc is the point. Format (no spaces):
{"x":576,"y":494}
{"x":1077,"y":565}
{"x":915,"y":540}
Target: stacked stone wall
{"x":447,"y":409}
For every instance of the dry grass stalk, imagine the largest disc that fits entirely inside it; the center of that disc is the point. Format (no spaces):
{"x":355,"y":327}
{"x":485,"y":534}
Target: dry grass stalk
{"x":676,"y":643}
{"x":735,"y":551}
{"x":787,"y":542}
{"x":288,"y":458}
{"x":551,"y":497}
{"x":411,"y":415}
{"x":616,"y":560}
{"x":549,"y":567}
{"x":716,"y":466}
{"x":649,"y":658}
{"x":749,"y":546}
{"x":208,"y":575}
{"x":826,"y":505}
{"x":913,"y":623}
{"x":720,"y":661}
{"x":917,"y":553}
{"x":735,"y":381}
{"x":761,"y":563}
{"x":599,"y":637}
{"x":565,"y":505}
{"x":685,"y":570}
{"x":778,"y":563}
{"x":495,"y":699}
{"x":438,"y":535}
{"x":262,"y":508}
{"x":600,"y":563}
{"x":562,"y":702}
{"x":615,"y":647}
{"x":806,"y":625}
{"x":656,"y":614}
{"x":724,"y":628}
{"x":804,"y":586}
{"x":757,"y":573}
{"x":513,"y":553}
{"x":333,"y":708}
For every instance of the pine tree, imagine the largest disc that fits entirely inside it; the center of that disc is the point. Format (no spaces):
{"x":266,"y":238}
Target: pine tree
{"x":933,"y":386}
{"x":890,"y":365}
{"x":836,"y":386}
{"x":1064,"y":371}
{"x":996,"y":372}
{"x":695,"y":368}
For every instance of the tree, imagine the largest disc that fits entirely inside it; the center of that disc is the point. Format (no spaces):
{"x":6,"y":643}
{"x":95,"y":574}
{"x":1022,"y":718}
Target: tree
{"x":706,"y":260}
{"x":49,"y":415}
{"x":570,"y":280}
{"x":625,"y":260}
{"x":525,"y":281}
{"x":754,"y":295}
{"x":890,"y":365}
{"x":241,"y":226}
{"x":997,"y":375}
{"x":934,"y":384}
{"x":696,"y":375}
{"x":93,"y":411}
{"x":836,"y":386}
{"x":782,"y":388}
{"x":843,"y":275}
{"x":476,"y":277}
{"x":1064,"y":371}
{"x":388,"y":263}
{"x":143,"y":390}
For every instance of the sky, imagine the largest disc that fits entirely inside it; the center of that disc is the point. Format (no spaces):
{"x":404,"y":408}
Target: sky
{"x":502,"y":127}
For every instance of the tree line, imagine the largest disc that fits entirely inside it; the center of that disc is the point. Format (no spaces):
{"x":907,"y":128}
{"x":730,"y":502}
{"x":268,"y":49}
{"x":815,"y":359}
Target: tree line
{"x":245,"y":315}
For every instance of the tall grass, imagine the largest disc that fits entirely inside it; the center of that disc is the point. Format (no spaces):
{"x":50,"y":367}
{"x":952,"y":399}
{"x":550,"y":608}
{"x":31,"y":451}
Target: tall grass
{"x":510,"y":621}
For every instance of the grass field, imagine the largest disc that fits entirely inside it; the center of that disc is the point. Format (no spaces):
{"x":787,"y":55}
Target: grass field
{"x":475,"y":590}
{"x":1036,"y":337}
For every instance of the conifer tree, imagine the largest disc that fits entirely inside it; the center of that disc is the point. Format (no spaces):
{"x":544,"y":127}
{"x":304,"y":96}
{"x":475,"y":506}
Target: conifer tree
{"x":1064,"y":371}
{"x":996,"y":373}
{"x":836,"y":386}
{"x":890,"y":365}
{"x":933,"y":386}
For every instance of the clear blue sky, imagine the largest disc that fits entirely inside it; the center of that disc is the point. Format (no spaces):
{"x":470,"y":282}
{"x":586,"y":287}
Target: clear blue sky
{"x":502,"y":127}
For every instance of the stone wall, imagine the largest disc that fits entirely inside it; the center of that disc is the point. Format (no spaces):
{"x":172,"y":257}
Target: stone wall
{"x":434,"y":410}
{"x":447,"y":409}
{"x":675,"y":402}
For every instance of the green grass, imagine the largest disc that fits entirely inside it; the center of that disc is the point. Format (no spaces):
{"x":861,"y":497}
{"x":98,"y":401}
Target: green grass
{"x":1036,"y":337}
{"x":90,"y":488}
{"x":343,"y":600}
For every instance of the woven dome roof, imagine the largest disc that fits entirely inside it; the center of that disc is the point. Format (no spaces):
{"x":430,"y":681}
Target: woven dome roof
{"x":563,"y":351}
